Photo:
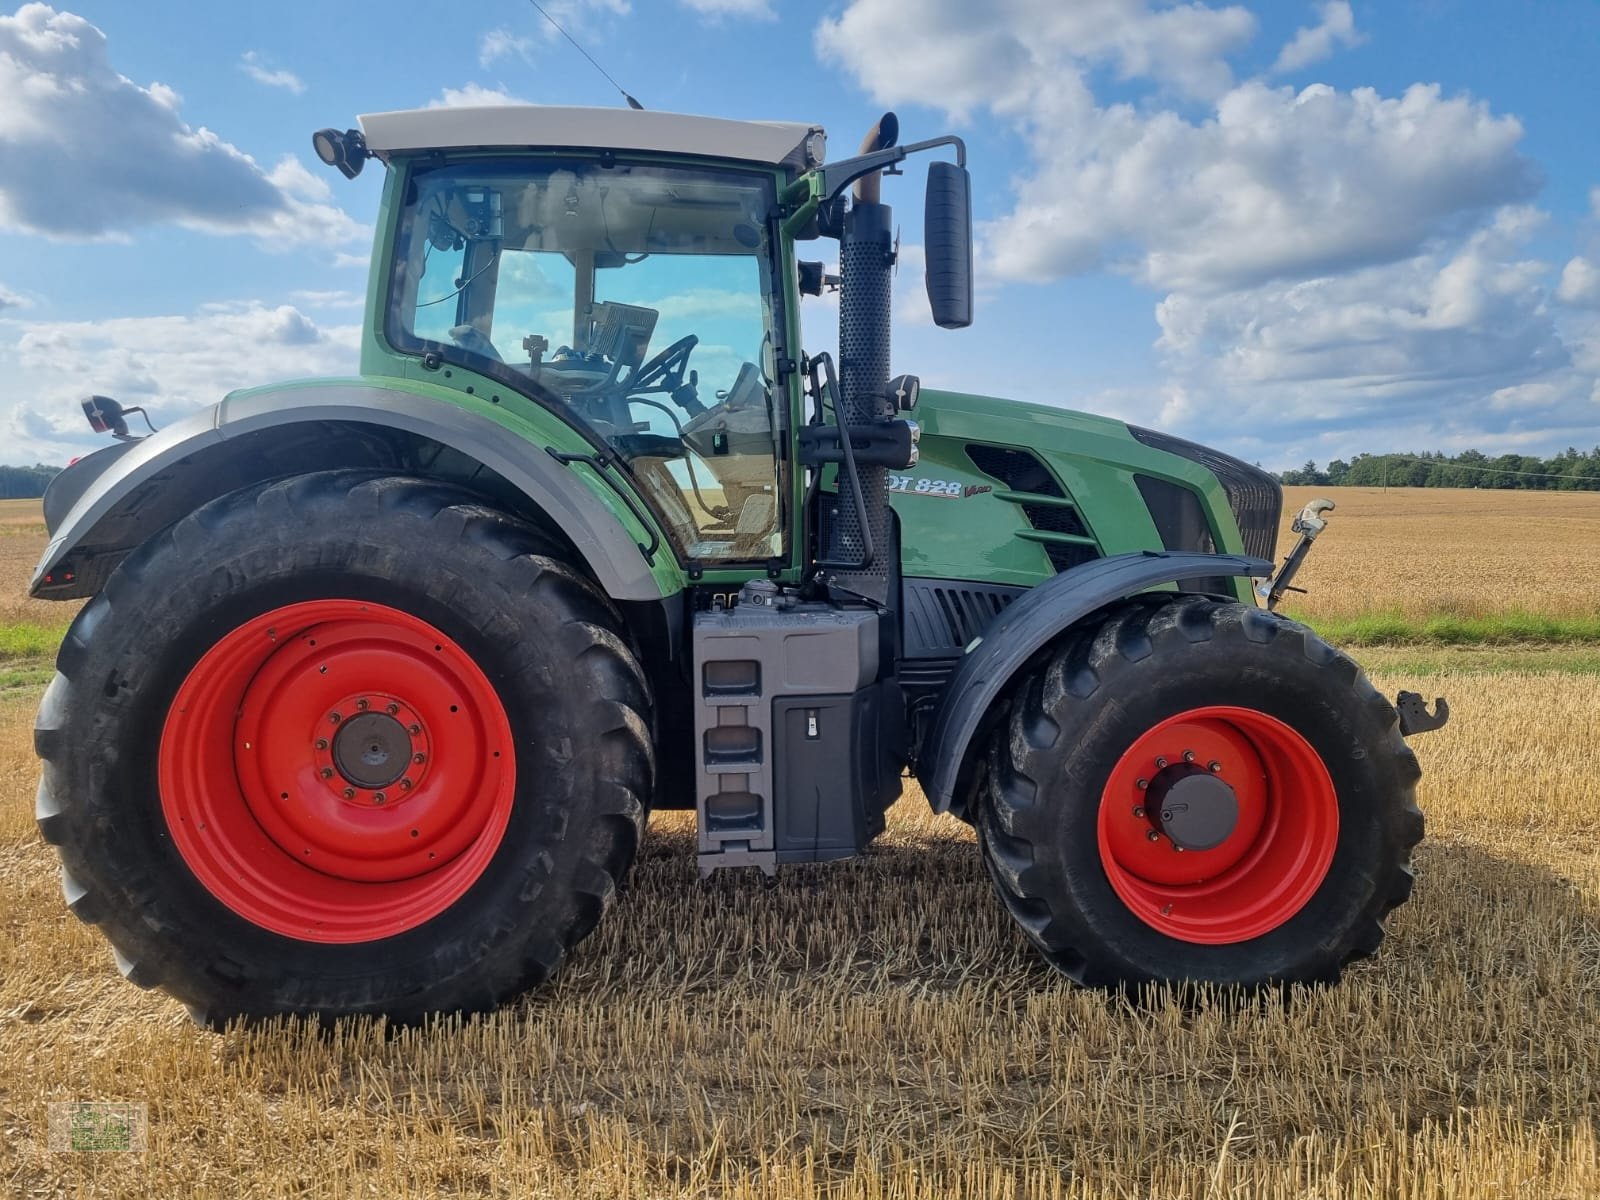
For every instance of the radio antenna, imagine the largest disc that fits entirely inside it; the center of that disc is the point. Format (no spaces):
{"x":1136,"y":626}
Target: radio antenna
{"x":632,"y":103}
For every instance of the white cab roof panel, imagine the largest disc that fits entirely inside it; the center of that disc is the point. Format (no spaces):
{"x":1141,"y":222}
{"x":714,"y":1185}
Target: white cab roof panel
{"x":771,"y":142}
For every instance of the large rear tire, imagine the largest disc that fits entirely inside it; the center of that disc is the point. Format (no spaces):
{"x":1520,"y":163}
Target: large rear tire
{"x":1195,"y":791}
{"x":344,"y":744}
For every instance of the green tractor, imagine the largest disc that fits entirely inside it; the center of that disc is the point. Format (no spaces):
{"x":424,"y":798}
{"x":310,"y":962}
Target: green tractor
{"x":379,"y":678}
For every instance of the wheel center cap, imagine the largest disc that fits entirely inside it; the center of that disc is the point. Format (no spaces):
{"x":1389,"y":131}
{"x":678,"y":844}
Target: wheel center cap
{"x":372,"y":750}
{"x":1193,"y":807}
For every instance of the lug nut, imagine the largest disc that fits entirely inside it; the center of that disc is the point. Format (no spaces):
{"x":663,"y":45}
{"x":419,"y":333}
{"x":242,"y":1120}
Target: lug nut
{"x":416,"y":728}
{"x":1188,"y":756}
{"x":1160,"y":762}
{"x":419,"y":758}
{"x":322,"y":743}
{"x":335,"y":717}
{"x":406,"y":785}
{"x":361,"y":704}
{"x":378,"y":797}
{"x":349,"y":793}
{"x":1213,"y":766}
{"x":1138,"y":812}
{"x":327,"y":772}
{"x":1143,"y":783}
{"x":1152,"y":836}
{"x":392,"y":709}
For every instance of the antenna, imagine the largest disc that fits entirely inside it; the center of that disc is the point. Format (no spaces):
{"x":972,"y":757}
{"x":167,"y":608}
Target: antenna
{"x":632,"y":103}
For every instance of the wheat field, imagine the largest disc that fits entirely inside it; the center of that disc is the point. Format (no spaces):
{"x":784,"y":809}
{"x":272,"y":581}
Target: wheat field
{"x":878,"y":1029}
{"x":1460,"y":552}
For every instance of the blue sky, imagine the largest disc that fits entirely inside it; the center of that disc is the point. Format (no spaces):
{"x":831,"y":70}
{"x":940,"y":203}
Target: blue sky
{"x":1292,"y":230}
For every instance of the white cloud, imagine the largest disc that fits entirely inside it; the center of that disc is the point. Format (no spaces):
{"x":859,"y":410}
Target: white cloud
{"x":1580,"y":284}
{"x":254,"y":66}
{"x":1274,"y":184}
{"x":759,"y":10}
{"x":502,"y":43}
{"x":86,"y":153}
{"x":1456,"y":342}
{"x":1314,"y":43}
{"x":473,"y":95}
{"x":172,"y":365}
{"x":10,"y":299}
{"x":1013,"y":55}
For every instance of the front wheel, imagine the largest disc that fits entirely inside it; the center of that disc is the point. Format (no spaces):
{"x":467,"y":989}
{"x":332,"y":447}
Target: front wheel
{"x":344,"y":744}
{"x":1201,"y":792}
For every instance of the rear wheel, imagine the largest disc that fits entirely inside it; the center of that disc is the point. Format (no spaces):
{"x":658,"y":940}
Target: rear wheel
{"x":344,"y":744}
{"x":1200,"y":791}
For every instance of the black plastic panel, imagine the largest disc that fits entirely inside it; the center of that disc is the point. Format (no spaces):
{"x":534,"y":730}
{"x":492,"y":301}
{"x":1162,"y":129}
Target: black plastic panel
{"x":1017,"y":469}
{"x":827,"y":766}
{"x":943,"y":615}
{"x":1255,"y":496}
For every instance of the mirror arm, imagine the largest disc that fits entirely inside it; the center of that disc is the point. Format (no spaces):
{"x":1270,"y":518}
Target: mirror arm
{"x":835,"y":177}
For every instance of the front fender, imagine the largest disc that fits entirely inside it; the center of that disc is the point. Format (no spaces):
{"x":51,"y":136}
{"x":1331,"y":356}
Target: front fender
{"x":162,"y":477}
{"x":1027,"y":626}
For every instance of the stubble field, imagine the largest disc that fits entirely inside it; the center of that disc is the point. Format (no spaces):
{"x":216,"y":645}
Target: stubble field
{"x":878,"y":1028}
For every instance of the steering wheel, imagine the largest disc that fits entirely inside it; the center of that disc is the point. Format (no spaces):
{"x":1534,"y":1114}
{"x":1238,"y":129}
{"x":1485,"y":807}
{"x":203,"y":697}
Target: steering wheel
{"x":665,"y":372}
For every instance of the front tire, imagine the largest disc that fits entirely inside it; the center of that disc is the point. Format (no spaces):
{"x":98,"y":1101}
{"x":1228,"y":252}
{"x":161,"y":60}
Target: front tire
{"x":1195,"y":791}
{"x":344,"y":744}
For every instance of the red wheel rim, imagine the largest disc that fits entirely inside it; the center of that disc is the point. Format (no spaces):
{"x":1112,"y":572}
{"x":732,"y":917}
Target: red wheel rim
{"x":336,"y":771}
{"x":1266,"y":866}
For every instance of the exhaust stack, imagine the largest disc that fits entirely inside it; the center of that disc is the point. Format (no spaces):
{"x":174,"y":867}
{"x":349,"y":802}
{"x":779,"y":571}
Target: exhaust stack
{"x":866,"y":257}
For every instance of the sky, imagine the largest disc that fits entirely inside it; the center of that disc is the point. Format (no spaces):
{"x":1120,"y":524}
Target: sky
{"x":1289,"y":230}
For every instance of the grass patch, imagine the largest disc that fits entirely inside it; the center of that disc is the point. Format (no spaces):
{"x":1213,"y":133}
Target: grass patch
{"x":1425,"y":661}
{"x":25,"y":676}
{"x":29,"y":639}
{"x":1448,"y":629}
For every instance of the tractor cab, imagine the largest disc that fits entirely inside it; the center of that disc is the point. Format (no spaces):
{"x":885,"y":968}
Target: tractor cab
{"x":645,"y":288}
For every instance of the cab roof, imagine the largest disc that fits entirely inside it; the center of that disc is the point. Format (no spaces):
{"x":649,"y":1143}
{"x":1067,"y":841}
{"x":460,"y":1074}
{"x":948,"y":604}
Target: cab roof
{"x":773,"y":143}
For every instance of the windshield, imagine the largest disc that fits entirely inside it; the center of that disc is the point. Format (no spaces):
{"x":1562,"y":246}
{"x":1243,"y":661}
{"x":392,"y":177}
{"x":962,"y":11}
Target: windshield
{"x":637,"y":299}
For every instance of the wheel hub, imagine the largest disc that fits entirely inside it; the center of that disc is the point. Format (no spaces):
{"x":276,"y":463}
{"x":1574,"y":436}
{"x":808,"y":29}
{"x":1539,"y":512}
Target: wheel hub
{"x":372,"y":750}
{"x":1193,"y":807}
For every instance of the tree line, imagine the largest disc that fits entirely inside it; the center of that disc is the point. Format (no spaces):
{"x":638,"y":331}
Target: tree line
{"x":1571,"y":470}
{"x":25,"y":483}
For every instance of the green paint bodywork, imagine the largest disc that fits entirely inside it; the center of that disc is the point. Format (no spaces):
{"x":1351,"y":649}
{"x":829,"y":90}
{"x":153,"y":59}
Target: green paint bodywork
{"x":977,"y":535}
{"x":986,"y":537}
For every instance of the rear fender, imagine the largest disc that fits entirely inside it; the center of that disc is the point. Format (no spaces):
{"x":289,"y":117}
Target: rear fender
{"x":1022,"y":630}
{"x":122,"y":499}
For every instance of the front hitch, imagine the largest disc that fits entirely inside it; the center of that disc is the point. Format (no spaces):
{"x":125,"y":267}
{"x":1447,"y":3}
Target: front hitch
{"x":1308,"y":525}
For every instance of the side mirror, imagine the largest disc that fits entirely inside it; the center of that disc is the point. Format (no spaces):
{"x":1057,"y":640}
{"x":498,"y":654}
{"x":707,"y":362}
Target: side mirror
{"x":947,"y":244}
